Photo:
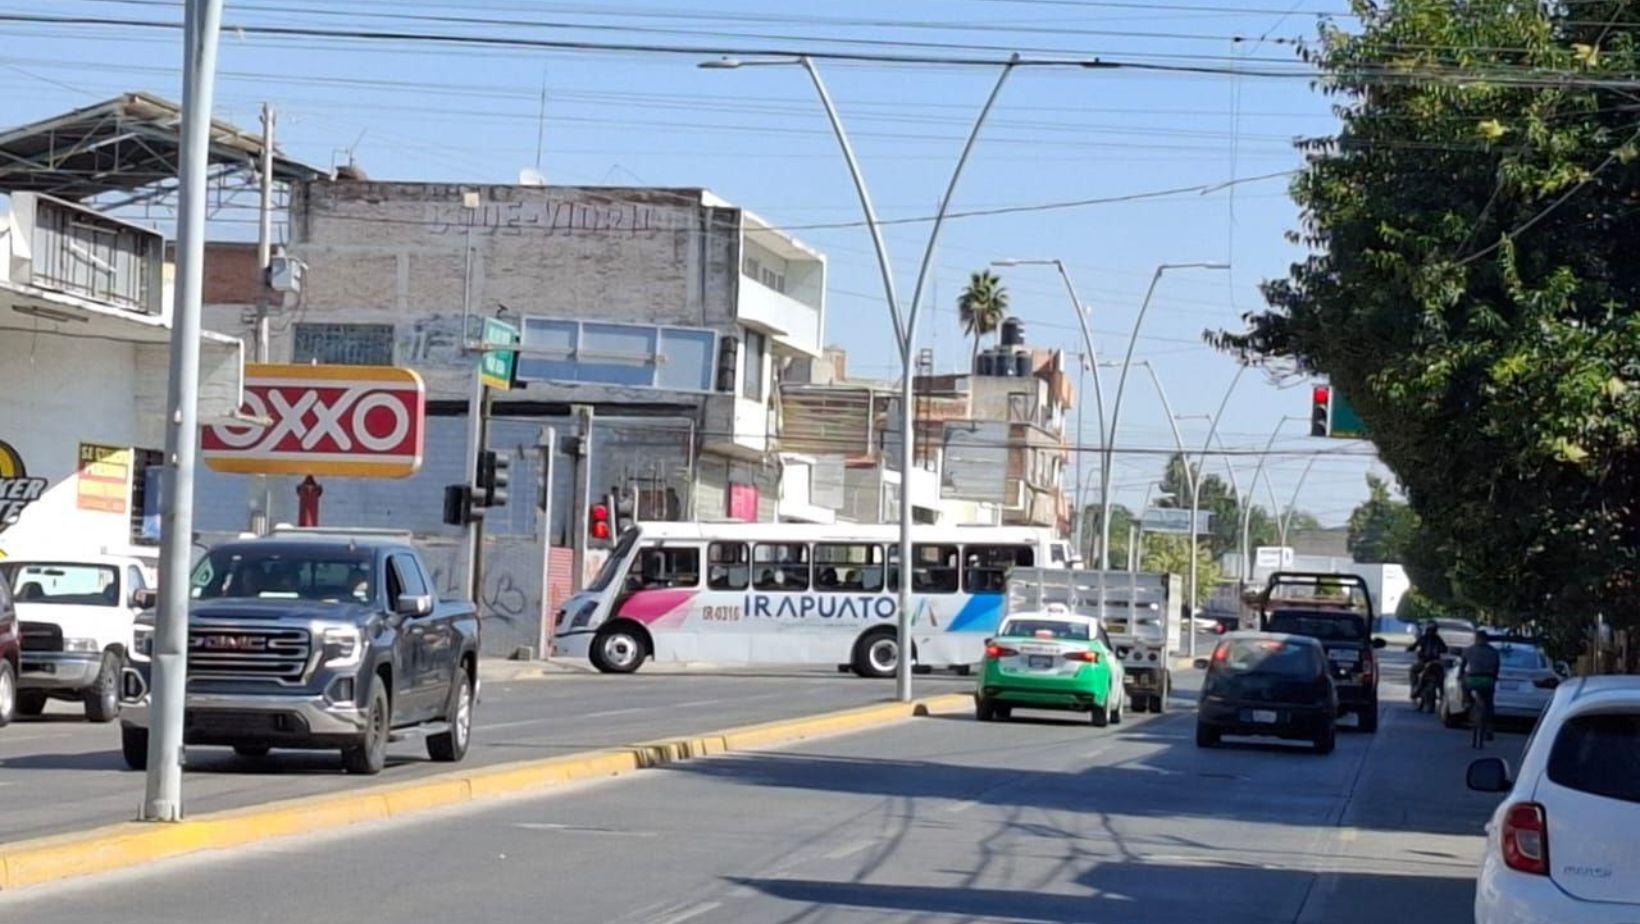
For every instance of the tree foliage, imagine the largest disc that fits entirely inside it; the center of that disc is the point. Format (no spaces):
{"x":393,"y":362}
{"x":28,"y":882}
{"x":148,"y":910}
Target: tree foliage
{"x":1472,"y":287}
{"x":982,"y":306}
{"x":1381,"y":528}
{"x":1168,"y":553}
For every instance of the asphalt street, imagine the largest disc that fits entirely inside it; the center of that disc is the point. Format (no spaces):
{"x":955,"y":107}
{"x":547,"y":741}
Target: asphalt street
{"x":930,"y":820}
{"x":59,"y":773}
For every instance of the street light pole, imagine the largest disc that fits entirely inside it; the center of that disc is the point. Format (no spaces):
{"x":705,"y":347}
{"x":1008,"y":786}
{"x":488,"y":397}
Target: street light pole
{"x":162,"y":801}
{"x":1195,"y":489}
{"x":1292,"y":505}
{"x":1081,"y":312}
{"x":905,"y":324}
{"x":1121,"y":386}
{"x":1247,"y":503}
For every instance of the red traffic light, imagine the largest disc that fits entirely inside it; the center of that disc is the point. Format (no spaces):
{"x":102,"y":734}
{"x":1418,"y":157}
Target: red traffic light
{"x":1322,"y":394}
{"x":599,"y":528}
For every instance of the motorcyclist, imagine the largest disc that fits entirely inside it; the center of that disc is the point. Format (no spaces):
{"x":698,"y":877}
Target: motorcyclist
{"x":1430,"y":648}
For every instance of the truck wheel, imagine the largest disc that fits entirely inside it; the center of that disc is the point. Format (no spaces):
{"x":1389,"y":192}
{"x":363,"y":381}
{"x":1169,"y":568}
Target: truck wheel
{"x":452,"y":745}
{"x":8,"y":693}
{"x":134,"y":746}
{"x":102,"y":701}
{"x":877,"y":653}
{"x":1326,"y":739}
{"x":618,"y":649}
{"x":31,"y":702}
{"x":1206,"y":736}
{"x":369,"y":756}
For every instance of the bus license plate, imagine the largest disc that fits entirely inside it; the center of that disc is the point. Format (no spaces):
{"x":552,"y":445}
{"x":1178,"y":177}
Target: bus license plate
{"x":1263,"y":716}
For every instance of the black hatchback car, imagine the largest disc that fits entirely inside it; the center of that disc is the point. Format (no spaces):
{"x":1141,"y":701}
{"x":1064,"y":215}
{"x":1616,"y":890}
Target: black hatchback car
{"x":1268,"y":684}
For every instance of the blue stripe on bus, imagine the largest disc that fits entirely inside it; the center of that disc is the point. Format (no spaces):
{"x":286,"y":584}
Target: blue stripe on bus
{"x":982,"y":613}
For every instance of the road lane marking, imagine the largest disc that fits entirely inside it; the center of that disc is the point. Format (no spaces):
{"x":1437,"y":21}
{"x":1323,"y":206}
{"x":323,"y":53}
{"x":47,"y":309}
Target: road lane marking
{"x":854,"y":847}
{"x":690,"y":913}
{"x":696,"y":702}
{"x":610,"y":712}
{"x":580,"y":829}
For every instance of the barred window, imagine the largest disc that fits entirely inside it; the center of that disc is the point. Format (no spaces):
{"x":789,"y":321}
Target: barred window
{"x":343,"y":344}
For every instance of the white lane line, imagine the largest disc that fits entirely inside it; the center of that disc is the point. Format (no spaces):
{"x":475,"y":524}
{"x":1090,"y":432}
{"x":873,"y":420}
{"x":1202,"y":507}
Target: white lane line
{"x":689,"y":913}
{"x":852,"y":848}
{"x":517,"y":724}
{"x":610,"y":712}
{"x":696,"y":702}
{"x":580,"y":829}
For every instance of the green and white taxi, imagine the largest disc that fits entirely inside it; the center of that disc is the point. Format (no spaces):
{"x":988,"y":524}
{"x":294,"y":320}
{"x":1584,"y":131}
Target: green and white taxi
{"x":1054,"y":659}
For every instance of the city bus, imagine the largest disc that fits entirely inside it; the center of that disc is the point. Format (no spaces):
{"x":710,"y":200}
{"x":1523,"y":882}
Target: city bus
{"x":797,"y":593}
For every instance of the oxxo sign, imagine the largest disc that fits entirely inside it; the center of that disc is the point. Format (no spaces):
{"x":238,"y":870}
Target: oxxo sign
{"x":360,"y":421}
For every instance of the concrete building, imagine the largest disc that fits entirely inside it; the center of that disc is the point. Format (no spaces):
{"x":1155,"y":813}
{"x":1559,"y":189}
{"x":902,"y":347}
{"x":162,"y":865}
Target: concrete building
{"x":85,"y":324}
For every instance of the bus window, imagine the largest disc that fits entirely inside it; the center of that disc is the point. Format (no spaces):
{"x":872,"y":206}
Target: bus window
{"x":987,"y":566}
{"x":848,"y":568}
{"x":665,"y":567}
{"x":781,"y":566}
{"x":933,"y":571}
{"x":729,"y":566}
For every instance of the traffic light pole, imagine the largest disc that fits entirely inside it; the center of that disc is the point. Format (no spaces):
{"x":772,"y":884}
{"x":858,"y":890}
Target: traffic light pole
{"x":478,"y":409}
{"x":543,"y":506}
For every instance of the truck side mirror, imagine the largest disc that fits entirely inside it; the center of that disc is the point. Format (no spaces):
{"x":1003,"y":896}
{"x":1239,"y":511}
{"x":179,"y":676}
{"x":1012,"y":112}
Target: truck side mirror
{"x":413,"y":604}
{"x":1379,"y":643}
{"x":144,"y":599}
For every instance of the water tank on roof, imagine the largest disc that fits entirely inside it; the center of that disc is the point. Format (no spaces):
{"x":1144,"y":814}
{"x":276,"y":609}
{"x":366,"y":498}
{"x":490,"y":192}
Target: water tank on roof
{"x":1013,"y":332}
{"x":1022,"y":364}
{"x":982,"y":363}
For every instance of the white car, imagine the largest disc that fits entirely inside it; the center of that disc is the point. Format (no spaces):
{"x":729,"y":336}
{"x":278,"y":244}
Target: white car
{"x":1526,"y":681}
{"x":77,"y":616}
{"x":1564,"y":847}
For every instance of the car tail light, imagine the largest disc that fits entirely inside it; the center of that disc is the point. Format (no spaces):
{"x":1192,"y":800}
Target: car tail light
{"x":994,"y":652}
{"x":1526,"y":838}
{"x":1221,"y":653}
{"x":1368,"y":665}
{"x":1091,"y":657}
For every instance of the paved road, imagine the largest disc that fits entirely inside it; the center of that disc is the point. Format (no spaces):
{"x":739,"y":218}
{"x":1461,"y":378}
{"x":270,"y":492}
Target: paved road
{"x":58,"y":773}
{"x":939,"y":819}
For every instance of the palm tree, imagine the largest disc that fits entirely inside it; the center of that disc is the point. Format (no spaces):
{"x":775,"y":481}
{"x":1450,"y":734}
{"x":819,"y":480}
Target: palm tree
{"x":981,"y":307}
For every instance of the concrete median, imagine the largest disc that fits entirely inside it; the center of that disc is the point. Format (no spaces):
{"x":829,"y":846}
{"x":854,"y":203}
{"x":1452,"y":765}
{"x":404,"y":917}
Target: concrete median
{"x":114,"y":847}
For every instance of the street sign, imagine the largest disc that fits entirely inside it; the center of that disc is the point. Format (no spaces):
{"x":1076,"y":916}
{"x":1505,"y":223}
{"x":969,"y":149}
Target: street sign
{"x":360,"y":421}
{"x":1175,"y":520}
{"x":1271,"y":557}
{"x":1346,"y":424}
{"x":496,"y":367}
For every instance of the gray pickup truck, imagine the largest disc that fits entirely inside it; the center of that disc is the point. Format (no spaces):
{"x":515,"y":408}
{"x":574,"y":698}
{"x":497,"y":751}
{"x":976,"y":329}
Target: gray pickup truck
{"x":315,"y":642}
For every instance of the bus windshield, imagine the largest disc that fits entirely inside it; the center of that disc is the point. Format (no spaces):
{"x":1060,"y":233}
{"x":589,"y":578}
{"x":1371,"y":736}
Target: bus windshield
{"x":617,"y":557}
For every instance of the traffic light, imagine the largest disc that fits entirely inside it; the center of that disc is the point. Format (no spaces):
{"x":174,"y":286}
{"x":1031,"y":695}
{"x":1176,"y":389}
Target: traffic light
{"x":494,"y":474}
{"x":1321,"y":411}
{"x":625,"y":511}
{"x":600,"y":533}
{"x":461,"y":505}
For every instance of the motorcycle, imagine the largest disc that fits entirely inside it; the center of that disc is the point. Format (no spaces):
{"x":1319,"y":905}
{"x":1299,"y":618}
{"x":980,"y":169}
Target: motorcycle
{"x":1431,"y":680}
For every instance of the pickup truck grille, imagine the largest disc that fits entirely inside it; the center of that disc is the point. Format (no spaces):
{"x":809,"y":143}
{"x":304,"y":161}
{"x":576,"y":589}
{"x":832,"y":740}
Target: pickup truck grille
{"x":41,"y":636}
{"x":249,"y":653}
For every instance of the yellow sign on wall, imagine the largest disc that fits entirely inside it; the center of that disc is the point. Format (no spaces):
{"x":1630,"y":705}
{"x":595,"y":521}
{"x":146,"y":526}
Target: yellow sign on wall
{"x":105,"y":478}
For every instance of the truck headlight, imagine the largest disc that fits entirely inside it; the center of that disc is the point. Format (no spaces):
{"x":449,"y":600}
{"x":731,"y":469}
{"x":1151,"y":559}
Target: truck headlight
{"x":343,"y":646}
{"x":81,"y":644}
{"x":142,"y":643}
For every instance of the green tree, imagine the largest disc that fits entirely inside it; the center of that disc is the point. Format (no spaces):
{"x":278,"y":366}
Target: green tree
{"x":1121,"y":520}
{"x":1381,"y":528}
{"x":1472,"y":288}
{"x":1169,"y":553}
{"x":982,"y":306}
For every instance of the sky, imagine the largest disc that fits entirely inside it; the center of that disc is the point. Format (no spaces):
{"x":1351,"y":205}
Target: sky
{"x":1203,"y":160}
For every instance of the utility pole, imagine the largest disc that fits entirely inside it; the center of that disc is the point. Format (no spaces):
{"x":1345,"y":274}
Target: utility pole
{"x":580,"y":492}
{"x":478,"y":409}
{"x":548,"y":446}
{"x":262,"y":495}
{"x":162,"y":801}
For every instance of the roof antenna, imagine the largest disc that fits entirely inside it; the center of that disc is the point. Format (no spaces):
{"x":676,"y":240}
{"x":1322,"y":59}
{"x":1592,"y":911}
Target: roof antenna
{"x":532,"y":176}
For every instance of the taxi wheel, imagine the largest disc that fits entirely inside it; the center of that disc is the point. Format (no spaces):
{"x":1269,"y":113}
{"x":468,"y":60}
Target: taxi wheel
{"x":1003,"y":712}
{"x":1101,"y":715}
{"x":1121,"y":706}
{"x":984,"y":711}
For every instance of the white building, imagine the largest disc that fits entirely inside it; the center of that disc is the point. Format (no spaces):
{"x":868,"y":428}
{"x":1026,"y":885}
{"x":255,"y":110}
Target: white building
{"x":85,"y":326}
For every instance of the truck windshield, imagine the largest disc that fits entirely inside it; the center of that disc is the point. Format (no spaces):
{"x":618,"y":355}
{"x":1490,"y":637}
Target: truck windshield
{"x":323,"y":575}
{"x":63,"y":583}
{"x":617,"y":557}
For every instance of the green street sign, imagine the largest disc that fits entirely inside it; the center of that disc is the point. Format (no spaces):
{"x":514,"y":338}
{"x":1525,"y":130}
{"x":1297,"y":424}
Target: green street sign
{"x":496,"y":366}
{"x":1346,"y":424}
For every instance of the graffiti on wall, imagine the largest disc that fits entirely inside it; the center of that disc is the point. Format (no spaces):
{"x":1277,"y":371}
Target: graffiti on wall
{"x":431,"y":340}
{"x":509,"y":602}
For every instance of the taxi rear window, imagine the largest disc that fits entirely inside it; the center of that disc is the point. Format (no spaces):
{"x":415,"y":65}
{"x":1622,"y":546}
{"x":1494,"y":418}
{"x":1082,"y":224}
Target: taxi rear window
{"x":1058,"y":628}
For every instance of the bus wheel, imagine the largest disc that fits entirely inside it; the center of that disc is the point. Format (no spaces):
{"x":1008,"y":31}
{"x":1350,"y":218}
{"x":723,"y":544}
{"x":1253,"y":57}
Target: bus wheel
{"x":618,"y":649}
{"x":877,"y":653}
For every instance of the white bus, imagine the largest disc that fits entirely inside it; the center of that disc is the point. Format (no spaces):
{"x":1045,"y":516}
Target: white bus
{"x":796,"y":593}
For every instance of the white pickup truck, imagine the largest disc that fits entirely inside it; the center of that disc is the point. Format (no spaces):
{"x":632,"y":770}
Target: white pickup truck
{"x":76,"y":614}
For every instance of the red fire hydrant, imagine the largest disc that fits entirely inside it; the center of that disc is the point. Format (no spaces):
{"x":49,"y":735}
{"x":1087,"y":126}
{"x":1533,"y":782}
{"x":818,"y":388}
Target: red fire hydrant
{"x":307,"y":502}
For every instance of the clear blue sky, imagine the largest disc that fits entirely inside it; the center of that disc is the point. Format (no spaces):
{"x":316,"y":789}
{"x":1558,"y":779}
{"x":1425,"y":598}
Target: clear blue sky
{"x":758,"y":138}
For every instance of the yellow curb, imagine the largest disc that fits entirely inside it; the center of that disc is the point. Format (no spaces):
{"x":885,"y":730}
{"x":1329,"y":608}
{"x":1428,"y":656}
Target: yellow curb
{"x":121,"y":846}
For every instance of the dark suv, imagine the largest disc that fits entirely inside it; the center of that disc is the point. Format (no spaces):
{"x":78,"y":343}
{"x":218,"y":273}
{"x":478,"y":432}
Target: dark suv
{"x":1268,"y":684}
{"x":316,"y":642}
{"x":1335,"y":610}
